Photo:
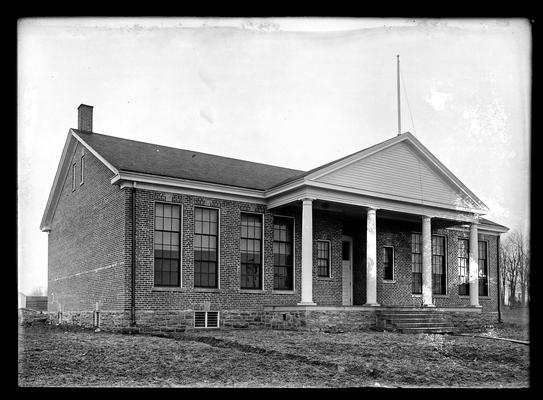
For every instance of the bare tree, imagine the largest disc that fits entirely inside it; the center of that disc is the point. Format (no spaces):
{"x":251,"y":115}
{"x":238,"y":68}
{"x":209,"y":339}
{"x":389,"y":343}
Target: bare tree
{"x":515,"y":266}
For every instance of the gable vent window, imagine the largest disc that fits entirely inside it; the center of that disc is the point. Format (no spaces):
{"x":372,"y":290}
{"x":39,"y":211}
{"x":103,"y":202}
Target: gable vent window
{"x":74,"y":176}
{"x":206,"y":319}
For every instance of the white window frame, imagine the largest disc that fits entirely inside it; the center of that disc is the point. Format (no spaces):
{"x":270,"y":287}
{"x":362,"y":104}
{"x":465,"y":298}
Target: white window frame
{"x":162,"y":288}
{"x":445,"y":267}
{"x":218,"y":248}
{"x":262,"y":247}
{"x":329,"y":259}
{"x":82,"y":171}
{"x":73,"y":176}
{"x":283,"y":291}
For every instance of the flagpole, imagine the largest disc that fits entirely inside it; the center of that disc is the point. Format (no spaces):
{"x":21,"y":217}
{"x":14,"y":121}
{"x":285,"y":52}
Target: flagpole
{"x":398,"y":85}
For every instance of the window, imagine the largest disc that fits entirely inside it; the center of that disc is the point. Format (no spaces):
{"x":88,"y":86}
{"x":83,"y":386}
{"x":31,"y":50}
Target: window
{"x":206,"y":319}
{"x":167,"y":239}
{"x":388,"y":263}
{"x":82,"y":169}
{"x":416,"y":263}
{"x":73,"y":177}
{"x":483,"y":269}
{"x":439,"y":280}
{"x":463,"y":267}
{"x":282,"y":254}
{"x":323,"y":258}
{"x":206,"y":221}
{"x":251,"y":251}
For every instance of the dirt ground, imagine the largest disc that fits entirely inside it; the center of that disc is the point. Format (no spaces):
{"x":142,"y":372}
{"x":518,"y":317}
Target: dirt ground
{"x":62,"y":356}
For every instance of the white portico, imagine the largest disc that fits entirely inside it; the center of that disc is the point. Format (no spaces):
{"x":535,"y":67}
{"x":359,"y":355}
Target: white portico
{"x":397,"y":176}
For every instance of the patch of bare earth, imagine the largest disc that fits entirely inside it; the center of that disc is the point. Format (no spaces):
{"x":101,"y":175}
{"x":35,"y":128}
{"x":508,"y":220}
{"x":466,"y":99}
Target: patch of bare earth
{"x":54,"y":356}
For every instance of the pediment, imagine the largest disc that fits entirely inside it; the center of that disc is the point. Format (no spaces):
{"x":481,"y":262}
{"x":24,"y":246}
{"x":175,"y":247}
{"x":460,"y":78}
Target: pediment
{"x":400,"y":171}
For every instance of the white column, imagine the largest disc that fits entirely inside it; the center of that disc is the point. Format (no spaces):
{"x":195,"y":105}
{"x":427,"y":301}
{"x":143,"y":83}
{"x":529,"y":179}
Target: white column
{"x":427,"y":262}
{"x":371,"y":258}
{"x":307,"y":253}
{"x":473,"y":266}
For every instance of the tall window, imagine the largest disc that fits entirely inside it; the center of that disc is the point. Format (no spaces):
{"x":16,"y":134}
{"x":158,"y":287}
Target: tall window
{"x":388,"y":263}
{"x":82,"y":169}
{"x":463,"y":267}
{"x":439,"y":280}
{"x":205,"y":247}
{"x":73,"y":176}
{"x":167,"y":235}
{"x":416,"y":263}
{"x":483,"y":269}
{"x":251,"y":251}
{"x":282,"y":254}
{"x":323,"y":258}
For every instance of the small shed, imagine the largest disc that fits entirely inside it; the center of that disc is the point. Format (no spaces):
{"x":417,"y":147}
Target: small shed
{"x":37,"y":303}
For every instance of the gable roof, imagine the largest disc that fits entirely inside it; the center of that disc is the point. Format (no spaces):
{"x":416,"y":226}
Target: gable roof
{"x":153,"y":159}
{"x":130,"y":156}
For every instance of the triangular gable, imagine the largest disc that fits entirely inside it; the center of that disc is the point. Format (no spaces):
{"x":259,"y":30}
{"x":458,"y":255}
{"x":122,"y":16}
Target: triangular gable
{"x":401,"y":169}
{"x":60,"y":176}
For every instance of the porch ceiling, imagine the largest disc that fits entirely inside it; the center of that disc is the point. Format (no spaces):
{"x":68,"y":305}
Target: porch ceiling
{"x":348,"y":211}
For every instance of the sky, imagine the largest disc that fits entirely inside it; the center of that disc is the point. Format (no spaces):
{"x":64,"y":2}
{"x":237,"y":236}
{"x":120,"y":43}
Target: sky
{"x":292,"y":92}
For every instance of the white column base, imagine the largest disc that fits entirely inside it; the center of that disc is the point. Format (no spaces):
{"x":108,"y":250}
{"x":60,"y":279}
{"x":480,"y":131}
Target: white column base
{"x":306,"y":303}
{"x":428,"y":305}
{"x":372,"y":305}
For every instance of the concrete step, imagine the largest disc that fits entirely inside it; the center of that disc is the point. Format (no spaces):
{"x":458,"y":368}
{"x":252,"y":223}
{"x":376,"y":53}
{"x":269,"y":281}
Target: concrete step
{"x":414,"y":318}
{"x":401,"y":325}
{"x":412,"y":314}
{"x":427,"y":330}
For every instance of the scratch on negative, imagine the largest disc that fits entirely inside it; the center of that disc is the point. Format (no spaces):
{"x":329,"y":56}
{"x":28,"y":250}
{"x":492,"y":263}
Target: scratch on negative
{"x":86,"y":272}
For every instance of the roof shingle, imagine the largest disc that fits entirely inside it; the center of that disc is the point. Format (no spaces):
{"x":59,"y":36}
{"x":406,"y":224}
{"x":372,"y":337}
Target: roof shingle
{"x":133,"y":156}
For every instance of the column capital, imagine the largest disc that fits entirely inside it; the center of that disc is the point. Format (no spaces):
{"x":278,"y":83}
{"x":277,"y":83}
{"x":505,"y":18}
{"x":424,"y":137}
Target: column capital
{"x":371,"y":209}
{"x":308,"y":199}
{"x":426,"y":216}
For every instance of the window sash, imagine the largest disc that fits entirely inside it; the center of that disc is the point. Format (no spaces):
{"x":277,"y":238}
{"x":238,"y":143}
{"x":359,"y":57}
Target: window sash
{"x":323,"y":258}
{"x":74,"y":174}
{"x":205,"y":247}
{"x":167,"y":245}
{"x":283,"y":277}
{"x":416,"y":263}
{"x":82,"y":172}
{"x":251,"y":251}
{"x":483,"y":268}
{"x":463,"y":267}
{"x":439,"y":283}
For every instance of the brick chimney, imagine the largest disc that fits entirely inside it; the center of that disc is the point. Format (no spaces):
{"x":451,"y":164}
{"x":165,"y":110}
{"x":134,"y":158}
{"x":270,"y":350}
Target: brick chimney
{"x":84,"y":118}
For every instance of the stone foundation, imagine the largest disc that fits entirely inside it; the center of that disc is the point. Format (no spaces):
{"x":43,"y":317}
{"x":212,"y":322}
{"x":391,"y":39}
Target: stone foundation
{"x":327,"y":319}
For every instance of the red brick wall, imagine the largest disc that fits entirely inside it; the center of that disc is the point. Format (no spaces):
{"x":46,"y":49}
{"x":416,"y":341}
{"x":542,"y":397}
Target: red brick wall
{"x":326,"y":226}
{"x":86,"y":245}
{"x":398,"y":235}
{"x":90,"y":253}
{"x":228,"y":295}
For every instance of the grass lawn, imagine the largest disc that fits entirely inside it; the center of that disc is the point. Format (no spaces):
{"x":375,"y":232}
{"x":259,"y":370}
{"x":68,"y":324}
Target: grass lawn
{"x":60,"y":356}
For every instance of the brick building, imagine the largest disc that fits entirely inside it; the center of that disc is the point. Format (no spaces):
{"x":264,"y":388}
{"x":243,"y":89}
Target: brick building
{"x":145,"y":235}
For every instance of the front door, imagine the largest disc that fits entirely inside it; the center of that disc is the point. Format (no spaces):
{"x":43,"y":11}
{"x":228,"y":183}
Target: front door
{"x":347,"y":263}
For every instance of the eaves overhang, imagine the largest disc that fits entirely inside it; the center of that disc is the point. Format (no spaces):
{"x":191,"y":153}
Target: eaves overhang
{"x":155,"y":182}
